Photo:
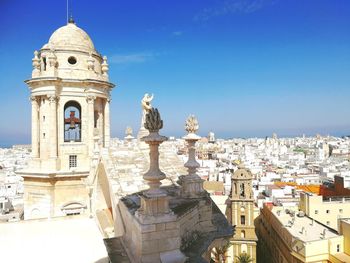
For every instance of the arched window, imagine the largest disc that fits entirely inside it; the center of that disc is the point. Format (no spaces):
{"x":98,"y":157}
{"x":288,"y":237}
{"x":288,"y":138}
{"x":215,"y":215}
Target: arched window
{"x":243,"y":234}
{"x":242,"y":220}
{"x":242,"y":194}
{"x":72,"y":122}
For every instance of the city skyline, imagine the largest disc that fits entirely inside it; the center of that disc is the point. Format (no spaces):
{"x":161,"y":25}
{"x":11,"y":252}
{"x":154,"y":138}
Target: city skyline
{"x":244,"y":68}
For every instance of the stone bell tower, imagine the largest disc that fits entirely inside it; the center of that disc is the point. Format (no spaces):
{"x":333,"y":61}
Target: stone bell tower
{"x":70,"y":96}
{"x":240,"y":213}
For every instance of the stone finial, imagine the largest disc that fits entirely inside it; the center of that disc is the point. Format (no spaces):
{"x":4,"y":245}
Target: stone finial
{"x":153,"y":121}
{"x":71,"y":19}
{"x":128,"y":134}
{"x":52,"y":59}
{"x":154,"y":201}
{"x":104,"y":66}
{"x":128,"y":131}
{"x":191,"y":125}
{"x":90,"y":62}
{"x":36,"y":62}
{"x":154,"y":175}
{"x":191,"y":138}
{"x":192,"y":184}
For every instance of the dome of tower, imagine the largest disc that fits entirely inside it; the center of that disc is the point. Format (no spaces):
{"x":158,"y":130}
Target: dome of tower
{"x":70,"y":37}
{"x":242,"y":173}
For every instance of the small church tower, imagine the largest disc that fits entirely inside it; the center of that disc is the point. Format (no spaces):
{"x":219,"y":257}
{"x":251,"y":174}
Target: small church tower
{"x":70,"y":97}
{"x":240,"y":213}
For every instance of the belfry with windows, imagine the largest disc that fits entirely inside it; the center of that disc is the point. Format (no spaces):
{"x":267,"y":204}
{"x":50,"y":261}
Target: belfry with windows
{"x":70,"y":97}
{"x":240,"y":213}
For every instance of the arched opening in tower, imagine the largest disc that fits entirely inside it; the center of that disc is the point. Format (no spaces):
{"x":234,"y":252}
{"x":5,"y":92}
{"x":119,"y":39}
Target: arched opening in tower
{"x":72,"y":121}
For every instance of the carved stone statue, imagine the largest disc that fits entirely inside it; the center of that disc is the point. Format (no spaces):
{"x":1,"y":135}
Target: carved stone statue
{"x":146,"y":107}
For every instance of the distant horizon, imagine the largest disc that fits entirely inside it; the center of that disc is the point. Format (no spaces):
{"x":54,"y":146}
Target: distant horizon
{"x":4,"y":144}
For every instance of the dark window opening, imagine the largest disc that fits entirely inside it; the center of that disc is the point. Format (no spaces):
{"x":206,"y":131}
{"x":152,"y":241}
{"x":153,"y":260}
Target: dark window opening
{"x":72,"y":122}
{"x":72,"y":161}
{"x":44,"y":63}
{"x":95,"y":118}
{"x":242,"y":220}
{"x":72,"y":60}
{"x":242,"y":193}
{"x":73,"y":214}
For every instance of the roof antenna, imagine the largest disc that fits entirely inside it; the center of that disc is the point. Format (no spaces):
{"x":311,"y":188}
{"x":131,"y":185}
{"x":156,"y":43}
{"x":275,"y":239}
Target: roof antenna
{"x":67,"y":10}
{"x":70,"y":20}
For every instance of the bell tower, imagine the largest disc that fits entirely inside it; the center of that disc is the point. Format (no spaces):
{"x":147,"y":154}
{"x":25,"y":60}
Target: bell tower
{"x":70,"y":97}
{"x":240,"y":213}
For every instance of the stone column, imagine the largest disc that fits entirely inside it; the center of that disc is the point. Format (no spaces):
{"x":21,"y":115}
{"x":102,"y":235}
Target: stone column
{"x":35,"y":127}
{"x":107,"y":128}
{"x":90,"y":127}
{"x":155,"y":201}
{"x":192,"y":184}
{"x":154,"y":175}
{"x":53,"y":126}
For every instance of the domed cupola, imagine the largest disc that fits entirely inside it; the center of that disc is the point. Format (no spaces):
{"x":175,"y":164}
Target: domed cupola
{"x":70,"y":37}
{"x":70,"y":53}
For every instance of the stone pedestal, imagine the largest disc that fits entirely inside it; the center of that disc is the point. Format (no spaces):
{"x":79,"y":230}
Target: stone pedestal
{"x":154,"y":202}
{"x":152,"y":239}
{"x":142,"y":133}
{"x":192,"y":186}
{"x":155,"y":209}
{"x":153,"y":235}
{"x":128,"y":139}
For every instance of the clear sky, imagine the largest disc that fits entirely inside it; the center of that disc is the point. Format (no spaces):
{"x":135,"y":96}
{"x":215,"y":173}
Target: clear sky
{"x":244,"y":68}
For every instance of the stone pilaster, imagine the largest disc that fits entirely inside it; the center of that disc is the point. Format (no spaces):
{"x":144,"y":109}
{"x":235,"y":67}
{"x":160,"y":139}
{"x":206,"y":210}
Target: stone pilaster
{"x":90,"y":129}
{"x":35,"y":127}
{"x":53,"y":126}
{"x":107,"y":129}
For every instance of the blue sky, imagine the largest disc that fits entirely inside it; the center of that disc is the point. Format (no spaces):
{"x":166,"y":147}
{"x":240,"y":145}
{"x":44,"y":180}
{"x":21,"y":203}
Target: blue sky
{"x":244,"y":68}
